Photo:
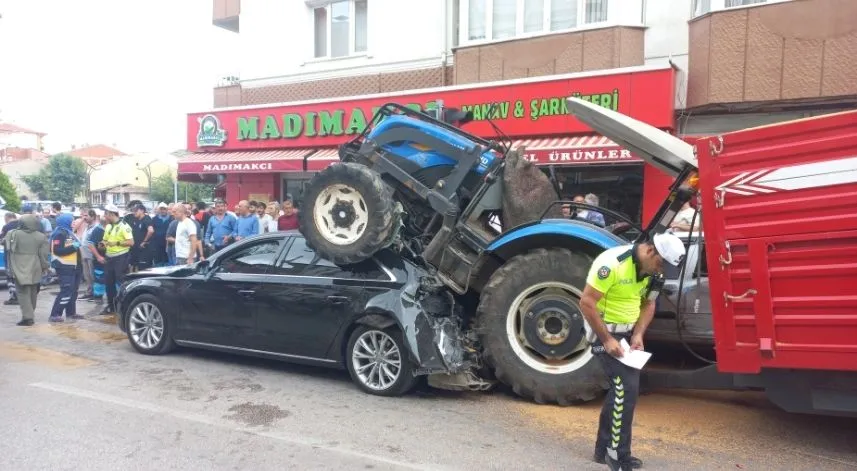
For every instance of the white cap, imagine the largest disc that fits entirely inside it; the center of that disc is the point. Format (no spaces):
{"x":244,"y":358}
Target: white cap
{"x":162,"y":205}
{"x":111,"y":208}
{"x":670,"y":247}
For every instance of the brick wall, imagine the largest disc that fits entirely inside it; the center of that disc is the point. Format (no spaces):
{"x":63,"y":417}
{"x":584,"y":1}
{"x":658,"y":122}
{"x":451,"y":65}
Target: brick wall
{"x":786,"y":51}
{"x":549,"y":55}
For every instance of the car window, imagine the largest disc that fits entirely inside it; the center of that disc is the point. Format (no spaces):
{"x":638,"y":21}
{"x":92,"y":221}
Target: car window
{"x":702,"y":267}
{"x":256,"y":258}
{"x":304,"y":261}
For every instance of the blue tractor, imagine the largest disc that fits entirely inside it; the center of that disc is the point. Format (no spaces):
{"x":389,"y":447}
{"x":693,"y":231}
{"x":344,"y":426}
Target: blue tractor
{"x":486,"y":224}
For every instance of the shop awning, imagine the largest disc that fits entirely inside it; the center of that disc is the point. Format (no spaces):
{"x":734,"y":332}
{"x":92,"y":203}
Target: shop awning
{"x":322,"y":158}
{"x":262,"y":161}
{"x":579,"y":150}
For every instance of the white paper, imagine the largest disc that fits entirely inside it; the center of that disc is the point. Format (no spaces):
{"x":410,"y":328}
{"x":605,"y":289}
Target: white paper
{"x":633,"y":358}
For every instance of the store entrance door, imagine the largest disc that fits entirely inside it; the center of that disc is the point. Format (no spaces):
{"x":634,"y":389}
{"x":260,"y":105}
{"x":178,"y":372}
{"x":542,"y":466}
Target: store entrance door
{"x":618,"y":187}
{"x":293,"y":186}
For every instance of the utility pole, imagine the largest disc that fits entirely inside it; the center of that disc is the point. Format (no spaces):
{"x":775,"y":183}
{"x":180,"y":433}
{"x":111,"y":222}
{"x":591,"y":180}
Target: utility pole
{"x":89,"y":170}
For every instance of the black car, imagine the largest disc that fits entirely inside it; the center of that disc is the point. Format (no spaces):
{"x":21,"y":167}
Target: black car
{"x":272,"y":296}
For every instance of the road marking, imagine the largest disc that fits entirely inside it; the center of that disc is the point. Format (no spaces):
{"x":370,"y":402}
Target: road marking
{"x":44,"y":356}
{"x":149,"y":407}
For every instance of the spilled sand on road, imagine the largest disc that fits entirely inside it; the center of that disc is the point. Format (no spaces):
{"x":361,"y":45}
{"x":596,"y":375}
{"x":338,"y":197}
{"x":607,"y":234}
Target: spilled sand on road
{"x":739,"y":424}
{"x":43,"y":356}
{"x":74,"y":332}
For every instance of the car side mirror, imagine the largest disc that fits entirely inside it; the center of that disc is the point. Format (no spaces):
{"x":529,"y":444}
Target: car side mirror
{"x":207,"y":270}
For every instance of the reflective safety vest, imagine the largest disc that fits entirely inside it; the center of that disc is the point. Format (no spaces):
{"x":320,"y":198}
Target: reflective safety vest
{"x":70,"y":259}
{"x":118,"y":233}
{"x":614,"y":274}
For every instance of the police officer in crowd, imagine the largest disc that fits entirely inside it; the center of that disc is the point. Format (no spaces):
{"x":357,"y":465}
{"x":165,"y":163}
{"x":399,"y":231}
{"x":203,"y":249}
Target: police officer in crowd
{"x":117,"y":242}
{"x":66,"y":260}
{"x":616,"y":306}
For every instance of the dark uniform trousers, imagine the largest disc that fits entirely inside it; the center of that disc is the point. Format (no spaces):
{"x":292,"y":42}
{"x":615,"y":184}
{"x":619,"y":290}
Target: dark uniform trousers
{"x":617,"y":414}
{"x":115,"y":268}
{"x":66,"y":301}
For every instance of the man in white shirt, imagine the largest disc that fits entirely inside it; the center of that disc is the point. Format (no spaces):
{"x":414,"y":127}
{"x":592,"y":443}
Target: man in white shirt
{"x":186,"y":240}
{"x":682,"y":220}
{"x":264,"y":218}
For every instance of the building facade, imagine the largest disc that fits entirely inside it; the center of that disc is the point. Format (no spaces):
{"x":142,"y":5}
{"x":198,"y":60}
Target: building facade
{"x":128,"y":177}
{"x":14,"y":136}
{"x":720,"y":65}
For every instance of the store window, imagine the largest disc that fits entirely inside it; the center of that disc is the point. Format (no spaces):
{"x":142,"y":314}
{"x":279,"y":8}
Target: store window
{"x":618,"y":187}
{"x":341,"y":28}
{"x":492,"y":20}
{"x":701,"y":7}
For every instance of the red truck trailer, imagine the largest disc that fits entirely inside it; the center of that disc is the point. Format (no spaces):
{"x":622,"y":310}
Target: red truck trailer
{"x":779,"y":214}
{"x":780,"y":221}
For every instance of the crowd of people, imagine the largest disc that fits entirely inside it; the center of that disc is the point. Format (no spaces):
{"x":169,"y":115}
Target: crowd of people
{"x":97,"y":249}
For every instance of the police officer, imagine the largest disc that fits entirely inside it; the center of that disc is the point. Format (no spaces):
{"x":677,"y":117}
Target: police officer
{"x":616,"y":306}
{"x":66,"y":260}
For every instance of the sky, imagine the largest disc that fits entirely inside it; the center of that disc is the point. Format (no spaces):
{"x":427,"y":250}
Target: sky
{"x":117,"y":72}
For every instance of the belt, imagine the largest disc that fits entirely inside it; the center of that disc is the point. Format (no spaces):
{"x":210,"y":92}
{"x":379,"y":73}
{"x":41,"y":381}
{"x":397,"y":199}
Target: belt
{"x":620,"y":328}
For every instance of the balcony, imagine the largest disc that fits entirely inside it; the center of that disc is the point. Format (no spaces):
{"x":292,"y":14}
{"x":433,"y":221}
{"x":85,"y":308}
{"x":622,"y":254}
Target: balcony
{"x":801,"y":51}
{"x":226,"y":13}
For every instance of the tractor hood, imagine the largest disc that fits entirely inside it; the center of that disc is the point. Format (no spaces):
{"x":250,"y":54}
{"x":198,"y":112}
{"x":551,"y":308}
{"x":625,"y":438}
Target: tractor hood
{"x":664,"y":151}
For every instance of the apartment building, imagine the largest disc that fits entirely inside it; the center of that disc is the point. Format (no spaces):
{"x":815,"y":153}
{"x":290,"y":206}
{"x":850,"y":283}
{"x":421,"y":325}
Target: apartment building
{"x":313,"y":71}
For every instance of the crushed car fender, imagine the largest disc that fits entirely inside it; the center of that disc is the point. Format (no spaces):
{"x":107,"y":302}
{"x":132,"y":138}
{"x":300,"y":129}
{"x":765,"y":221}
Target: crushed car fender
{"x":427,"y":314}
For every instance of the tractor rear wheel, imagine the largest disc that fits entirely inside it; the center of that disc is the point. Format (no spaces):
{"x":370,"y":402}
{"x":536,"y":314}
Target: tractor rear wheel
{"x":347,"y":214}
{"x":533,"y":331}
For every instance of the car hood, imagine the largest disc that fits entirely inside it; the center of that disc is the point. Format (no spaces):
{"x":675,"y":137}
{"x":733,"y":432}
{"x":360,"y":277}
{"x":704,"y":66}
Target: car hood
{"x":666,"y":152}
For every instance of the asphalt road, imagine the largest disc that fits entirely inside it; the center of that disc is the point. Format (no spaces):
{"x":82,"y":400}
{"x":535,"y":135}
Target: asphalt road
{"x":76,"y":396}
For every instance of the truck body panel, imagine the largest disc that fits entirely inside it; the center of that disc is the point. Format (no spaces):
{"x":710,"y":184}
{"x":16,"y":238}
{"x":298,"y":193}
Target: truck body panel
{"x":780,"y":220}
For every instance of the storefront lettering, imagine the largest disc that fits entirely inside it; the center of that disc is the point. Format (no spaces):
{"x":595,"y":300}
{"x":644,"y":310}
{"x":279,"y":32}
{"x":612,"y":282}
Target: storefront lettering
{"x":544,"y":107}
{"x":341,"y":122}
{"x":237,"y":167}
{"x":579,"y":155}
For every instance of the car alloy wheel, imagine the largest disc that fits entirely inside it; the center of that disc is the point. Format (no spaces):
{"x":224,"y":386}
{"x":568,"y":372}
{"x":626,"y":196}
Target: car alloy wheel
{"x":377,"y":360}
{"x":146,"y":325}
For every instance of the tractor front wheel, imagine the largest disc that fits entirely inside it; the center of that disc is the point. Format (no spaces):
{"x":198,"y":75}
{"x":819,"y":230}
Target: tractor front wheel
{"x":348,"y":213}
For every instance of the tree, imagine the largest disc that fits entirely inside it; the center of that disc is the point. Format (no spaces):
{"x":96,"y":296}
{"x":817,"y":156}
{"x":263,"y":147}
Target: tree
{"x":61,"y":179}
{"x":7,"y":192}
{"x":162,"y":190}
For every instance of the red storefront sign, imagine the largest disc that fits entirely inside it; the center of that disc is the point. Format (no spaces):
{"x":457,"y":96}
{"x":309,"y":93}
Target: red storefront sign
{"x":526,"y":108}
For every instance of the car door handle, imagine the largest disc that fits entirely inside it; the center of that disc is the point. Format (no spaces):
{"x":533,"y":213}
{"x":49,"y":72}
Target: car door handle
{"x":246,"y":292}
{"x":337,"y":299}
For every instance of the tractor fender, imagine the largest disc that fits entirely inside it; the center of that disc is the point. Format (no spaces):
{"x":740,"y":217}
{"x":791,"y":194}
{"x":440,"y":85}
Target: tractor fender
{"x":577,"y":236}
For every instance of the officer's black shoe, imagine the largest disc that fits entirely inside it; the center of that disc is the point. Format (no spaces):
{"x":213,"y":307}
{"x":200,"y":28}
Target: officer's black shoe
{"x":631,"y":463}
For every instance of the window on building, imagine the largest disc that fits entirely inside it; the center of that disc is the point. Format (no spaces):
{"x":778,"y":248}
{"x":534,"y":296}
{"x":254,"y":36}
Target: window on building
{"x":490,"y":20}
{"x":701,"y":7}
{"x":341,"y":28}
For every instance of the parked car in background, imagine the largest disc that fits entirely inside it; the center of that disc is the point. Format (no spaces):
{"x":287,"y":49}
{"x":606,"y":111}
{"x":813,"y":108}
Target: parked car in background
{"x":3,"y":249}
{"x":690,"y":316}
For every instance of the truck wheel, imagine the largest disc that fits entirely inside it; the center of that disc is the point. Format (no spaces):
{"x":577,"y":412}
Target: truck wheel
{"x":533,"y":331}
{"x":348,"y":213}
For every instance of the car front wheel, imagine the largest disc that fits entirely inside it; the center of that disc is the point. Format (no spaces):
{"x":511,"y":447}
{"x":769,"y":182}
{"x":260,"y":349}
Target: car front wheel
{"x":378,"y":362}
{"x":148,"y":326}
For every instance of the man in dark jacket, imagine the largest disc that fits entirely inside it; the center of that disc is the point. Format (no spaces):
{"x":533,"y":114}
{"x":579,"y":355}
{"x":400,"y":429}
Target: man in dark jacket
{"x":161,"y":223}
{"x":27,"y":259}
{"x":66,"y":260}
